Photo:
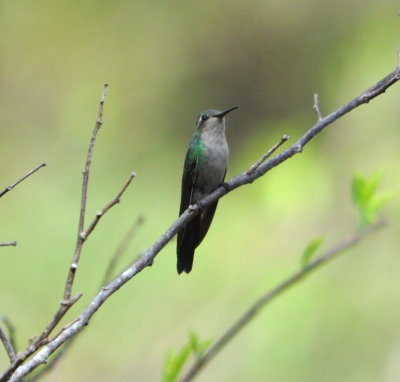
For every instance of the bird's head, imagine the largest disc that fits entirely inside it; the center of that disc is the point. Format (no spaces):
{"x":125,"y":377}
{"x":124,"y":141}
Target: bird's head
{"x":212,"y":119}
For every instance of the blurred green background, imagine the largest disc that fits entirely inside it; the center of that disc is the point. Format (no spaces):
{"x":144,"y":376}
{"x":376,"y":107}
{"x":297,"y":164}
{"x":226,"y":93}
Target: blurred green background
{"x":165,"y":62}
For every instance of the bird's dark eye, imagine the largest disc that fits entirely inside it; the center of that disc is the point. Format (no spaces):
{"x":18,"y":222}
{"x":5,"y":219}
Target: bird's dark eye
{"x":204,"y":117}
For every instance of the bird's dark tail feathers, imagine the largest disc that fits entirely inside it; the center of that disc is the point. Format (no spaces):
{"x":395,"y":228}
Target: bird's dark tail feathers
{"x":191,"y":236}
{"x":187,"y":243}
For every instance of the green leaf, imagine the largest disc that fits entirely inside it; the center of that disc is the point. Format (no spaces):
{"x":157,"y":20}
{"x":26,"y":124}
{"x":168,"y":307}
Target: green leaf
{"x":310,"y":250}
{"x":175,"y":362}
{"x":366,"y":197}
{"x":357,"y":189}
{"x":198,"y":347}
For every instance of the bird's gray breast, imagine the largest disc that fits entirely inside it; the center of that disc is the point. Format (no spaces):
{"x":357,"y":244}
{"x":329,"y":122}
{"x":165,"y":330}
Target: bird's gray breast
{"x":211,"y":172}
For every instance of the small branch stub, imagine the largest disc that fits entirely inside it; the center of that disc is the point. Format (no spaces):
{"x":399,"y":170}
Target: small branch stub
{"x":12,"y":244}
{"x":316,"y":107}
{"x":267,"y":155}
{"x":398,"y":58}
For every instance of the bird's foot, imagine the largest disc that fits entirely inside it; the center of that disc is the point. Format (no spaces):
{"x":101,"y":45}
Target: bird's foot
{"x":200,"y":205}
{"x":226,"y":186}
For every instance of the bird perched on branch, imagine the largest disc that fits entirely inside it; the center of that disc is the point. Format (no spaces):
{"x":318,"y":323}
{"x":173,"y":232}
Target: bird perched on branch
{"x":204,"y":171}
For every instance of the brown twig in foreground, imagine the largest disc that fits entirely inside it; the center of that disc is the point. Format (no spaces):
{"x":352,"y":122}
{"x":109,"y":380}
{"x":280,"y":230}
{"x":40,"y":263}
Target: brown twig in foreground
{"x":149,"y":255}
{"x":264,"y":300}
{"x":11,"y":186}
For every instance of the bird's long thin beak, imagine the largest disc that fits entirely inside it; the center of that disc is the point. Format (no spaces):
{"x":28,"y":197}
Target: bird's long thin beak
{"x":225,"y":112}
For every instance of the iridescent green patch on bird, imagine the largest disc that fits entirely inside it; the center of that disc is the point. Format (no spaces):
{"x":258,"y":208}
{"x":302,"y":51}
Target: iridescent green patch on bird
{"x":197,"y":149}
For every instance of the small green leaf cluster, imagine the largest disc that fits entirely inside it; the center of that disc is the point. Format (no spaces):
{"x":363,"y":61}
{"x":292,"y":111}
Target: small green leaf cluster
{"x":175,"y":362}
{"x":367,"y":199}
{"x":310,"y":250}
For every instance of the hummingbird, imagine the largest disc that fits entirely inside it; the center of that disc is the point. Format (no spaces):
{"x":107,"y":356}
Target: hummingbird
{"x":204,"y":171}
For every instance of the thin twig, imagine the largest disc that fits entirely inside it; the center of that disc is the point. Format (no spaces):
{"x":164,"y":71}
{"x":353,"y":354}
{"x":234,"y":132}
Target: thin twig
{"x":267,"y":154}
{"x":316,"y":107}
{"x":7,"y":345}
{"x":110,"y":204}
{"x":81,"y":236}
{"x":264,"y":300}
{"x":121,"y":249}
{"x":149,"y":255}
{"x":12,"y":244}
{"x":67,"y":301}
{"x":11,"y":186}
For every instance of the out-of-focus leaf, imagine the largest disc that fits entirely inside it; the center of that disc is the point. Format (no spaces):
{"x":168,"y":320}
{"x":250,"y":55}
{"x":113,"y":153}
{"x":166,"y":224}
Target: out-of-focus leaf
{"x":366,"y":197}
{"x":198,"y":347}
{"x":175,"y":362}
{"x":357,"y":189}
{"x":310,"y":250}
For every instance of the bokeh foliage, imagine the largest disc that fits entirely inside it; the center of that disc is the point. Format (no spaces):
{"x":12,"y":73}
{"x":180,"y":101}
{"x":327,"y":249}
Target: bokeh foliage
{"x":166,"y":61}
